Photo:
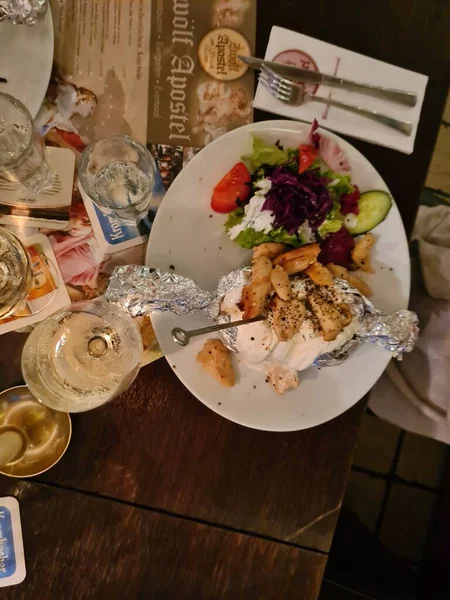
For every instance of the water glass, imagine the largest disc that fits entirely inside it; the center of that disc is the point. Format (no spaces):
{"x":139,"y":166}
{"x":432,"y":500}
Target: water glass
{"x":23,"y":12}
{"x":22,"y":150}
{"x":118,"y":175}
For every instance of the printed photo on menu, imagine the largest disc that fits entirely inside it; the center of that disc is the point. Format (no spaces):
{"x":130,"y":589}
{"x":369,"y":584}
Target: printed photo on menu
{"x":198,"y":87}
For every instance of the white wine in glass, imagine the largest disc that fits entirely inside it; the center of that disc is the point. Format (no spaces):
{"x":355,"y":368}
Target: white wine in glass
{"x":81,"y":357}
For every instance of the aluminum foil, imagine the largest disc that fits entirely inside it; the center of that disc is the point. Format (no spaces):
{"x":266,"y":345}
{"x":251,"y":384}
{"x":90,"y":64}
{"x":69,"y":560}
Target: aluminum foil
{"x":142,"y":291}
{"x":23,"y":12}
{"x":396,"y":333}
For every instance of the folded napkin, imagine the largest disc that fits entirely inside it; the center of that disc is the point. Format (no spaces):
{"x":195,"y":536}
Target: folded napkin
{"x":302,"y":51}
{"x":415,"y":393}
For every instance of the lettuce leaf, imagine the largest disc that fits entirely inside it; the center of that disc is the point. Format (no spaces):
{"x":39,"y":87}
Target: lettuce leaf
{"x":234,"y":218}
{"x":267,"y":155}
{"x":249,"y":238}
{"x":329,"y":226}
{"x":333,"y":221}
{"x":339,"y":184}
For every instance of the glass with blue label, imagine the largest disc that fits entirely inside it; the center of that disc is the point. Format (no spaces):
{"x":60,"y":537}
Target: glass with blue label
{"x":118,"y":175}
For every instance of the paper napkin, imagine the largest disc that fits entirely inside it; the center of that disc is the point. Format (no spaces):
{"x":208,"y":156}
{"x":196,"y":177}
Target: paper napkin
{"x":301,"y":50}
{"x":414,"y":393}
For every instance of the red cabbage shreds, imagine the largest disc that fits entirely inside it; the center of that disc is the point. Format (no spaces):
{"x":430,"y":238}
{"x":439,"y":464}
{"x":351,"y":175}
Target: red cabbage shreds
{"x":295,"y":198}
{"x":337,"y":248}
{"x":314,"y":137}
{"x":349,"y":202}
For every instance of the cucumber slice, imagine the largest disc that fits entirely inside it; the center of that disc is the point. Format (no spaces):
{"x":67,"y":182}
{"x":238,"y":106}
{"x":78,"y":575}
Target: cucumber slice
{"x":373,"y":208}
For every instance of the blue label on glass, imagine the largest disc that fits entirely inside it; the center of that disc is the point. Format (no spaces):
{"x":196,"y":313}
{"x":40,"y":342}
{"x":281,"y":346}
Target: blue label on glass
{"x":7,"y":551}
{"x":116,"y":231}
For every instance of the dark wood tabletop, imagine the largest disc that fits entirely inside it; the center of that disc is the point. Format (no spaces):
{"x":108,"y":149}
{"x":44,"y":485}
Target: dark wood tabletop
{"x":159,"y":497}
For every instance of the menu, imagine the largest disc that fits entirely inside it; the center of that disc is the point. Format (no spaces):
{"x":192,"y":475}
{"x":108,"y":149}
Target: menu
{"x":198,"y":87}
{"x":103,"y":47}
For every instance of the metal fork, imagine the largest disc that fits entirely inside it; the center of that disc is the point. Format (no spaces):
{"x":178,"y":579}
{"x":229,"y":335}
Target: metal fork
{"x":293,"y":94}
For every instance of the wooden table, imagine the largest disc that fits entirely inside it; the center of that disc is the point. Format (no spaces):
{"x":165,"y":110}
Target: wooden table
{"x":158,"y":497}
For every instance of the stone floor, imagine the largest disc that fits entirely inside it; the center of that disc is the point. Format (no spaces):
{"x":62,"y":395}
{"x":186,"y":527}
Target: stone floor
{"x":396,"y":475}
{"x":393,"y":485}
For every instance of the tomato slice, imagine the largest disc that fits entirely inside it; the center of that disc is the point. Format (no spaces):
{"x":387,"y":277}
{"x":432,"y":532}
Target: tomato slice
{"x":308,"y":155}
{"x":233,"y":186}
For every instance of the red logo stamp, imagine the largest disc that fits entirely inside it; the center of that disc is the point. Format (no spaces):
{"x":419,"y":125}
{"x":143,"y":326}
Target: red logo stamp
{"x":299,"y":58}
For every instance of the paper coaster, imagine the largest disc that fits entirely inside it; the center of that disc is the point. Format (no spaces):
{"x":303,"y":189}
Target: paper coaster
{"x":49,"y":209}
{"x":12,"y":559}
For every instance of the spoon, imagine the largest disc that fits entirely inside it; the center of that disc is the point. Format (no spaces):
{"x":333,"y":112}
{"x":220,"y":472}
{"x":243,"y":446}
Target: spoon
{"x":182,"y":337}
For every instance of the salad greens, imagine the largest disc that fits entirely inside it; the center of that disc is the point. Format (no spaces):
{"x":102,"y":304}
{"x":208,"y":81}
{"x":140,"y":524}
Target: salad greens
{"x":309,"y":200}
{"x":333,"y":221}
{"x":295,"y":203}
{"x":264,"y":155}
{"x":339,"y":184}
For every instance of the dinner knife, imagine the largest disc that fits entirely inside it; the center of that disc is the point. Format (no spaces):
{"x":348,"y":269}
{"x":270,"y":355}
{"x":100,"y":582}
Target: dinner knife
{"x":298,"y":74}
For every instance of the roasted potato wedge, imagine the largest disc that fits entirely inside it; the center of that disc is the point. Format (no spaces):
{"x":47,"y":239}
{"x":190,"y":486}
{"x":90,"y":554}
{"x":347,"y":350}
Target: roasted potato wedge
{"x":269,"y":250}
{"x":328,"y":315}
{"x":296,"y":265}
{"x":261,"y":269}
{"x":308,"y":254}
{"x":360,"y":253}
{"x":337,"y":271}
{"x":360,"y":285}
{"x":256,"y":293}
{"x":287,"y":317}
{"x":343,"y":273}
{"x":215,"y":358}
{"x":319,"y":274}
{"x":254,"y":298}
{"x":280,"y":283}
{"x":346,"y":314}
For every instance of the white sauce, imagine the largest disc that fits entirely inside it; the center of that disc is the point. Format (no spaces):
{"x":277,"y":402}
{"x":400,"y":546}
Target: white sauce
{"x":255,"y":217}
{"x":350,"y":220}
{"x":259,"y":347}
{"x":306,"y":233}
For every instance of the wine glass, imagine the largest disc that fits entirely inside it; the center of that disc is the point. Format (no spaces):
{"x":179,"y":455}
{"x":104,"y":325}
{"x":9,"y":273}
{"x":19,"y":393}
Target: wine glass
{"x":22,"y":276}
{"x":118,"y":175}
{"x":22,"y":150}
{"x":15,"y":273}
{"x":81,"y":357}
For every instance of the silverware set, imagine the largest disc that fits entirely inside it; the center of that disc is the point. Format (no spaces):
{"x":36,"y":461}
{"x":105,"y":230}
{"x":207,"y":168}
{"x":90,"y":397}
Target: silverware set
{"x":283,"y":82}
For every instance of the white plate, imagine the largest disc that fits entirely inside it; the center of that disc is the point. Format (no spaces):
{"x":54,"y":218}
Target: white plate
{"x":26,"y":57}
{"x":190,"y":237}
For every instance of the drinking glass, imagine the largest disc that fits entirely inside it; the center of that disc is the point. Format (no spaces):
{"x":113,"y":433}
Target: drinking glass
{"x":28,"y":279}
{"x":22,"y":150}
{"x":15,"y":273}
{"x":23,"y":12}
{"x":118,"y":175}
{"x":81,"y":357}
